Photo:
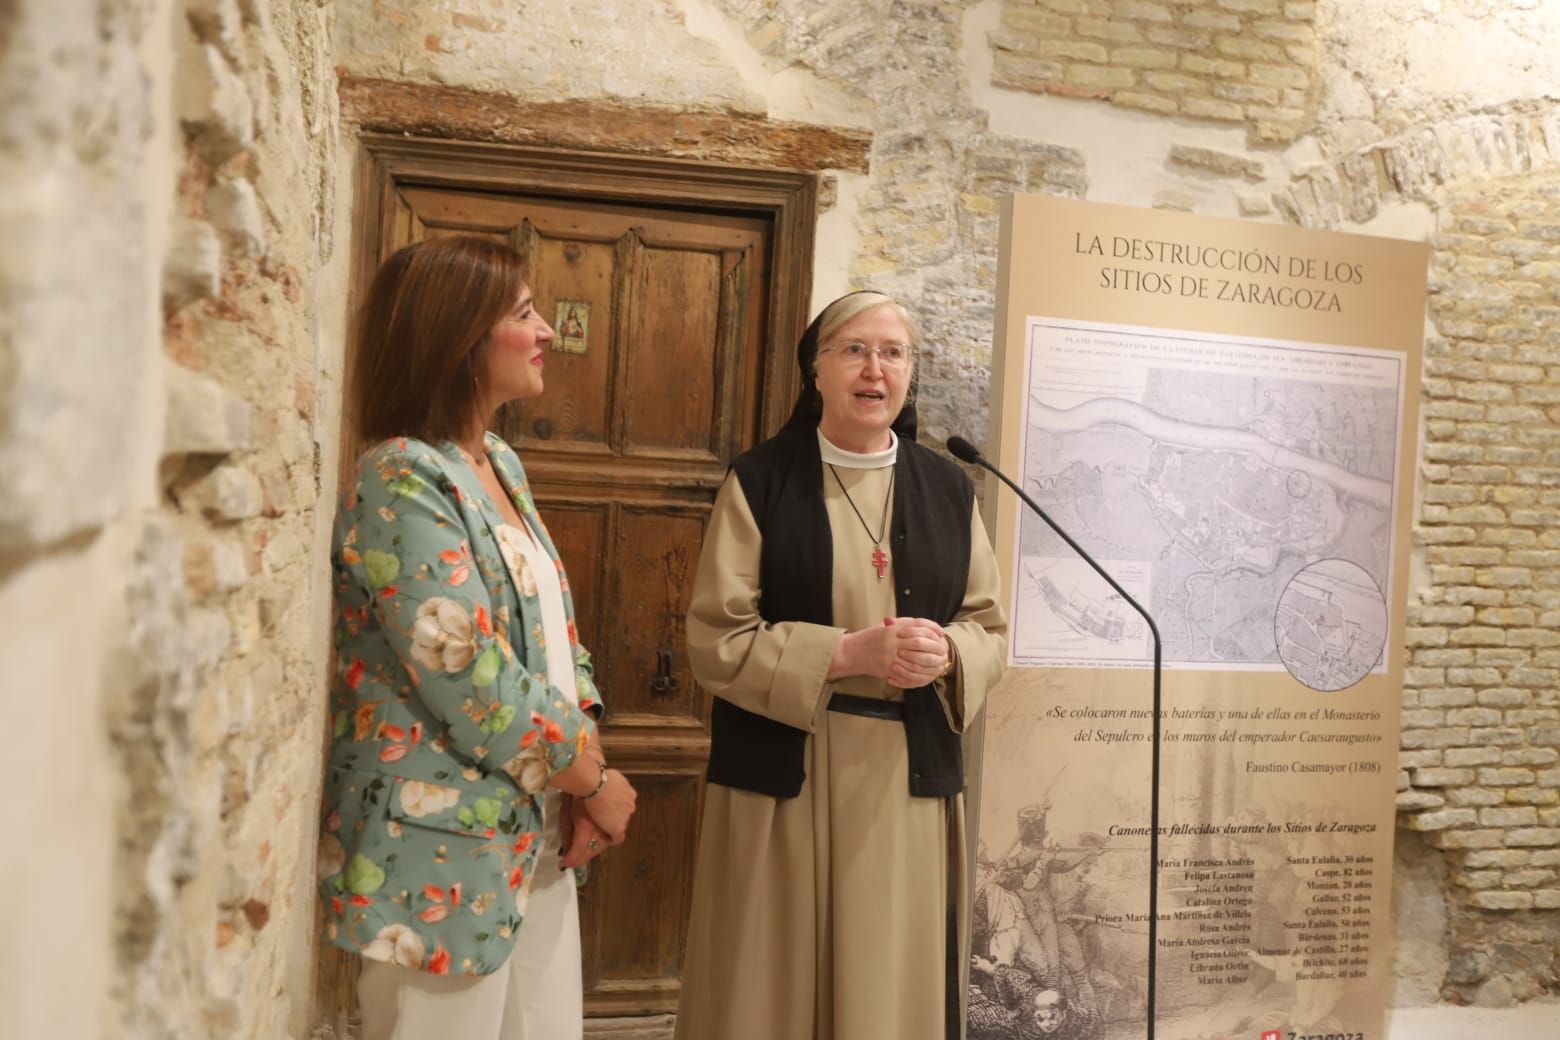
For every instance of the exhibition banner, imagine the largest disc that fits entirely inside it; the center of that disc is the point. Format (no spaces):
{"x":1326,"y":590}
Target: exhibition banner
{"x":1223,"y":414}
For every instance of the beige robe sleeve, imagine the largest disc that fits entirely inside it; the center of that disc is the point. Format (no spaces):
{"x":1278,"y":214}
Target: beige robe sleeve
{"x":978,"y":633}
{"x":779,"y":671}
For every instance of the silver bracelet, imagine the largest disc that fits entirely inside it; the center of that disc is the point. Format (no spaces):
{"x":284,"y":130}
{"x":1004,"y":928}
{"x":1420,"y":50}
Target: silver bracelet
{"x":601,"y":781}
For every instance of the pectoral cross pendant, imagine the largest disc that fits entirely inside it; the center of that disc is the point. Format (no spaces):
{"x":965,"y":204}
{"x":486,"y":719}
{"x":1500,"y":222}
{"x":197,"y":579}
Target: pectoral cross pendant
{"x":880,"y":561}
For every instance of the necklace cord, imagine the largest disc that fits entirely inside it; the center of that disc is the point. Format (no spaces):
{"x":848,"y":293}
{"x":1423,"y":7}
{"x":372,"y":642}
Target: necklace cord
{"x":877,"y":541}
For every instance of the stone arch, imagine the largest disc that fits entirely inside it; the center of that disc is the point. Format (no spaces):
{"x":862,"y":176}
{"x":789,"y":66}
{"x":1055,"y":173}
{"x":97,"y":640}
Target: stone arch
{"x":1505,"y":141}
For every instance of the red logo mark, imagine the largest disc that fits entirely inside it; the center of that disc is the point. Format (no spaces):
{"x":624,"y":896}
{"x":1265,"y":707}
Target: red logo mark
{"x":1271,"y":1034}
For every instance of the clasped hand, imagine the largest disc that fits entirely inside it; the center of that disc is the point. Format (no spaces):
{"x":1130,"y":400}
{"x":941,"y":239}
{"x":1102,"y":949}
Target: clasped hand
{"x":583,"y":839}
{"x":591,"y":825}
{"x":905,"y":652}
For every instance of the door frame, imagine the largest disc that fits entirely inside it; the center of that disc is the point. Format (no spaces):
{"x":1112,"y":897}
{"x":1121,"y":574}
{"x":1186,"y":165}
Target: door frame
{"x":789,"y":198}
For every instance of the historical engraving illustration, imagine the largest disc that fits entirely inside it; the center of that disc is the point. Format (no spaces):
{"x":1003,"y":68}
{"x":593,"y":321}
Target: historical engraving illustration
{"x":1036,"y":967}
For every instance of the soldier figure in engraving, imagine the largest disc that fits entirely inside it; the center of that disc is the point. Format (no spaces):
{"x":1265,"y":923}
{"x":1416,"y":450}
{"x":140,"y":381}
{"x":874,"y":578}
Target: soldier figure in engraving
{"x":1019,"y":934}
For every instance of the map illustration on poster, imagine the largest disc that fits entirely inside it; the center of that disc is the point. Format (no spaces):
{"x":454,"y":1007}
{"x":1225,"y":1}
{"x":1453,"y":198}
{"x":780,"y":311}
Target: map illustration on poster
{"x":1235,"y":488}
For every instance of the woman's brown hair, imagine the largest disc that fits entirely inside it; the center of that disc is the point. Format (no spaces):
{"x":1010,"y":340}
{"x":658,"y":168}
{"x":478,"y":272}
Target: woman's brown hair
{"x":418,"y":336}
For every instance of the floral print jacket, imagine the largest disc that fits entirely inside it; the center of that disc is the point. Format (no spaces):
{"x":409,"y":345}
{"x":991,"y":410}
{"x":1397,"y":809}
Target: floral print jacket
{"x":445,"y":725}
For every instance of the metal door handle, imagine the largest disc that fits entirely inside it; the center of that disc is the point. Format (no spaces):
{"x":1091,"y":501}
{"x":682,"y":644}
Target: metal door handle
{"x":665,"y":683}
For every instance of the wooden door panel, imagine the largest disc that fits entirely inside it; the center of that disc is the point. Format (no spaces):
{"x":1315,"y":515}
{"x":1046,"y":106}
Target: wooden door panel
{"x":656,"y":550}
{"x":674,"y":354}
{"x":635,"y":908}
{"x":418,"y":217}
{"x":409,"y":227}
{"x":574,"y":413}
{"x":482,"y":211}
{"x":461,"y":212}
{"x":579,"y":530}
{"x":694,"y":288}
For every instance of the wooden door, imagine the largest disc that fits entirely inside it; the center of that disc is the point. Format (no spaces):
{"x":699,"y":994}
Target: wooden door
{"x":663,"y":370}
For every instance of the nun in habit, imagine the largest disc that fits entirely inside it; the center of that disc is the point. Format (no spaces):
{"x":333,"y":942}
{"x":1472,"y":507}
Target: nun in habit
{"x":846,"y":618}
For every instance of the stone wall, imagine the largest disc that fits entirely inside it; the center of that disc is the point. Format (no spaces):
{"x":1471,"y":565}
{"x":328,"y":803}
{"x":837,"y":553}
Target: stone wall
{"x":1421,"y":161}
{"x":223,"y":732}
{"x":1388,"y":65}
{"x":927,"y":221}
{"x":169,"y":427}
{"x":76,"y":298}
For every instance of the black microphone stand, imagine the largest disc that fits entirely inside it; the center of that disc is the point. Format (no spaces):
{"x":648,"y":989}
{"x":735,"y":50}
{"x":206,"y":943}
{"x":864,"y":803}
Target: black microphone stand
{"x":967,"y":452}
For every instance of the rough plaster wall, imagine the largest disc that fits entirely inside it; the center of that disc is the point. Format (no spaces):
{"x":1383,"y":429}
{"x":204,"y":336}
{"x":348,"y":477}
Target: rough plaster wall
{"x":1419,"y":916}
{"x":165,"y":183}
{"x":566,"y":49}
{"x":1392,"y":64}
{"x":76,"y":90}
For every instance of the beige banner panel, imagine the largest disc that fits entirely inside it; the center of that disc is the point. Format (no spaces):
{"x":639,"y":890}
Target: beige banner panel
{"x":1222,"y":413}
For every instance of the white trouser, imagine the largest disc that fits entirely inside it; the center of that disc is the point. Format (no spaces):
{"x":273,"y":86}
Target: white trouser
{"x":536,"y":995}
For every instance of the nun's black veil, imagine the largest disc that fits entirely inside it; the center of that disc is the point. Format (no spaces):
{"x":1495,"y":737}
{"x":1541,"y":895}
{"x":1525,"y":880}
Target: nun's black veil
{"x":809,"y":406}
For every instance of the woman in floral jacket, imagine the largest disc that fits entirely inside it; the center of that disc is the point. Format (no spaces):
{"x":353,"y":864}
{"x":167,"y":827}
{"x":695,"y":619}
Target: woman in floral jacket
{"x":464,"y":707}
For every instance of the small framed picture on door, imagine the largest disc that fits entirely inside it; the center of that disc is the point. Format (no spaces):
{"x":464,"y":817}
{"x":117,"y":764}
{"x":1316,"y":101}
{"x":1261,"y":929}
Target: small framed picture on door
{"x":572,"y":327}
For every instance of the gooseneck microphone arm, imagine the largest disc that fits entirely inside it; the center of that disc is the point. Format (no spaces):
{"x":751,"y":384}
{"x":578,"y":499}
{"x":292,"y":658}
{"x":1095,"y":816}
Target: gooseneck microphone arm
{"x":964,"y":451}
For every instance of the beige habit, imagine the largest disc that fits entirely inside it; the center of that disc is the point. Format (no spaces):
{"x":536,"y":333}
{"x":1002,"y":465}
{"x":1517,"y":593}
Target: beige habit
{"x":823,"y":917}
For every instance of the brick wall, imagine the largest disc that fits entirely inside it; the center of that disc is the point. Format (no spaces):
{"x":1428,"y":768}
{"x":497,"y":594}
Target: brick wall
{"x":1251,"y":62}
{"x":1481,"y":721}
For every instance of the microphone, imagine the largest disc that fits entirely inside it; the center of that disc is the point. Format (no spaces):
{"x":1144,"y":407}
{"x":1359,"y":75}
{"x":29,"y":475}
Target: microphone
{"x":964,"y":451}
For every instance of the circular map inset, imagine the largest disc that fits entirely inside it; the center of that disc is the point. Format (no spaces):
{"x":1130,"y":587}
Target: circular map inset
{"x":1331,"y":625}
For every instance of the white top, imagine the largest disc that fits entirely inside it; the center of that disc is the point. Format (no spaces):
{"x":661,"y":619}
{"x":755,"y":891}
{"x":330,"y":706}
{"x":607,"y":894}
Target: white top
{"x":836,"y":456}
{"x":535,"y":574}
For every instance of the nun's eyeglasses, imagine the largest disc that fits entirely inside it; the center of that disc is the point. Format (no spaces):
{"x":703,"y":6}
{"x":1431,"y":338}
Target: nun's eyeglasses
{"x":854,"y":355}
